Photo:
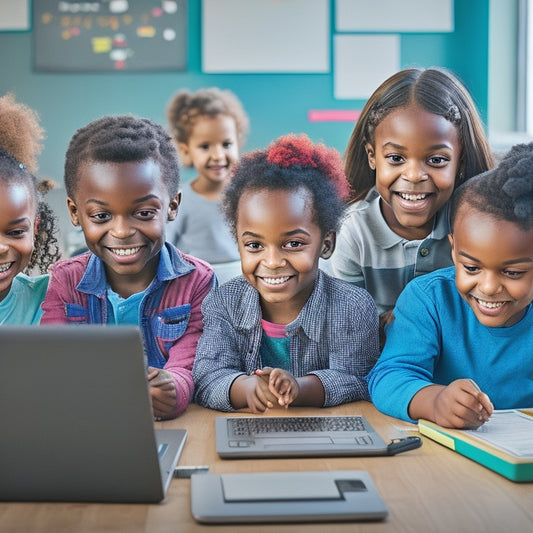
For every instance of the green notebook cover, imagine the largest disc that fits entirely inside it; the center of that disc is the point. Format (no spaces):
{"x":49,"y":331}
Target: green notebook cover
{"x":497,"y":459}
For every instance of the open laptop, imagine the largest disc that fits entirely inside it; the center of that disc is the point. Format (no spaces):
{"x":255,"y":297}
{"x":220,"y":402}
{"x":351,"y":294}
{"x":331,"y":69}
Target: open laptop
{"x":301,"y":436}
{"x":76,"y":419}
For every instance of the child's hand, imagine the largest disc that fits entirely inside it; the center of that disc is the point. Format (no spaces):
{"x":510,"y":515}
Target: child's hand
{"x":280,"y":383}
{"x":163,"y":393}
{"x":462,"y":405}
{"x":252,"y":392}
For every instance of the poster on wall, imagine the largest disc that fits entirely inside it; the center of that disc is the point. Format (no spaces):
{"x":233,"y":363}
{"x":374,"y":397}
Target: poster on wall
{"x":110,"y":35}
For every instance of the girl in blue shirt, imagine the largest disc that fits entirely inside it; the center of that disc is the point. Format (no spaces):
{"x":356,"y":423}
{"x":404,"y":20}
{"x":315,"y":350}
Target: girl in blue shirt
{"x":285,"y":333}
{"x":460,"y":342}
{"x":27,"y":226}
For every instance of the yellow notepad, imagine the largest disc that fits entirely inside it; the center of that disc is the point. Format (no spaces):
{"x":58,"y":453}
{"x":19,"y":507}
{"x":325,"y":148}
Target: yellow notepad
{"x":503,"y":444}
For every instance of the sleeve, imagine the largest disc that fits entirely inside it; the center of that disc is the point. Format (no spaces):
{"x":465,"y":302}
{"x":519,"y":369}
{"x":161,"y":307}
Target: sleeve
{"x":410,"y":354}
{"x":353,"y":353}
{"x":344,"y":263}
{"x":57,"y":295}
{"x":182,"y":353}
{"x":219,"y":358}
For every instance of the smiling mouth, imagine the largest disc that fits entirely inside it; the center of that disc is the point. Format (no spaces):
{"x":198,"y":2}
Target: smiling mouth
{"x":412,"y":197}
{"x":125,"y":251}
{"x":489,"y":305}
{"x":276,"y":281}
{"x":5,"y":267}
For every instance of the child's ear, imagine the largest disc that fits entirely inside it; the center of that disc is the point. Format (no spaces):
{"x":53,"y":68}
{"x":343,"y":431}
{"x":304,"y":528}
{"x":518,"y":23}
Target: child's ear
{"x":173,"y":207}
{"x":73,"y":211}
{"x":450,"y":238}
{"x":36,"y":226}
{"x":185,"y":154}
{"x":328,"y":245}
{"x":371,"y":156}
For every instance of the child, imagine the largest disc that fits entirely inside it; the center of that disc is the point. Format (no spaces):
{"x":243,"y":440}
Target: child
{"x":418,"y":137}
{"x":121,"y":179}
{"x":209,"y":126}
{"x":27,"y":227}
{"x":285,"y":333}
{"x":472,"y":324}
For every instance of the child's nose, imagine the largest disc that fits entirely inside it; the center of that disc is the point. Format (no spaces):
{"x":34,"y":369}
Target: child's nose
{"x":217,"y":152}
{"x":3,"y":247}
{"x":489,"y":284}
{"x":274,"y":259}
{"x":415,"y":172}
{"x":121,"y":229}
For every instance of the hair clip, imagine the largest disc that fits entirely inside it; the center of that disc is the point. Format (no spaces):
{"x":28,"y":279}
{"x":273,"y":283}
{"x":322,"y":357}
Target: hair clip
{"x":22,"y":166}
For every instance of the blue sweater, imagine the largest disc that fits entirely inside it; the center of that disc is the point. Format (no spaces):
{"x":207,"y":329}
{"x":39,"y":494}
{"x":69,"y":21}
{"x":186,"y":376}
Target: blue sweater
{"x":436,"y":338}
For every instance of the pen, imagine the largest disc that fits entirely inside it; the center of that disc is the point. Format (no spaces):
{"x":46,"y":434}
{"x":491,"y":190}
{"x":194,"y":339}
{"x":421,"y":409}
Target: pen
{"x":403,"y":445}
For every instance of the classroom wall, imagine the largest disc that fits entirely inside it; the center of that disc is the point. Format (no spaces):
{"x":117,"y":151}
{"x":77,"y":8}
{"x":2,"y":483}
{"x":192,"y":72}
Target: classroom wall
{"x":276,"y":103}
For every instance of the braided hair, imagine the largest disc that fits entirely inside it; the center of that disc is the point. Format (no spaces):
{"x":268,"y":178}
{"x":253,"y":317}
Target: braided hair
{"x":288,"y":163}
{"x":505,"y":192}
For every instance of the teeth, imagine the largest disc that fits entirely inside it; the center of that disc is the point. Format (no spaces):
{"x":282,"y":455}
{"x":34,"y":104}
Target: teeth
{"x":276,"y":281}
{"x":5,"y":267}
{"x":490,"y":305}
{"x":125,"y":251}
{"x":412,"y":197}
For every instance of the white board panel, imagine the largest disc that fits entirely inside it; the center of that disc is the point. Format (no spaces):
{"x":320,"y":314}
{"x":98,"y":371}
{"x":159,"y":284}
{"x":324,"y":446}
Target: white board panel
{"x":14,"y":15}
{"x":394,"y":15}
{"x":266,"y":36}
{"x":363,"y":62}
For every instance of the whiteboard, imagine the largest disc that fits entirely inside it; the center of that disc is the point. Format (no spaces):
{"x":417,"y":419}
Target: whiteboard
{"x":14,"y":16}
{"x":266,"y":36}
{"x":394,"y":15}
{"x":358,"y":73}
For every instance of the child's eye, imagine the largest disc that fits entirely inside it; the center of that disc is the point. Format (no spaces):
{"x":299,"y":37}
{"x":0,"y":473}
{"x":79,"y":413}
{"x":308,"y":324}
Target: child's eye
{"x":227,"y":144}
{"x":438,"y":160}
{"x":146,"y":214}
{"x":514,"y":274}
{"x":204,"y":147}
{"x":17,"y":233}
{"x":395,"y":158}
{"x":252,"y":246}
{"x":101,"y":217}
{"x":471,"y":269}
{"x":294,"y":244}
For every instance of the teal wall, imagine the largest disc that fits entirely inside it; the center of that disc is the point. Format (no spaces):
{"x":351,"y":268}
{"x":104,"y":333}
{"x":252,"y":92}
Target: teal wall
{"x":277,"y":104}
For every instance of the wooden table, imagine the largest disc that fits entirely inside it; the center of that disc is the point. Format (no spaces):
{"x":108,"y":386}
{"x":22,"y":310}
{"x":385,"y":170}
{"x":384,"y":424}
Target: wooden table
{"x":431,"y":489}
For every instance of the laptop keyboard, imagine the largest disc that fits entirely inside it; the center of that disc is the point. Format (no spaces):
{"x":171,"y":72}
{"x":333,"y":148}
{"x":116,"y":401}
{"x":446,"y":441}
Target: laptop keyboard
{"x":248,"y":427}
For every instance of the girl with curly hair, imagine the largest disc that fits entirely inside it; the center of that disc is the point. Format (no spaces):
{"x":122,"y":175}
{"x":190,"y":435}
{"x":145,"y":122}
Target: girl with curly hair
{"x":28,"y":229}
{"x":285,"y":333}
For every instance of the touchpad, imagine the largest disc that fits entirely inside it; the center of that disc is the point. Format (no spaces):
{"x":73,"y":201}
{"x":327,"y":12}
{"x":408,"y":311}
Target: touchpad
{"x":278,"y":486}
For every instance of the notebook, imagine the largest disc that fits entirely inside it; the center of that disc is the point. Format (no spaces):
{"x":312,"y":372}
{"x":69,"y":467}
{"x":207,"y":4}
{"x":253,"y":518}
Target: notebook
{"x":285,"y":497}
{"x":76,"y":418}
{"x":300,"y":436}
{"x":503,"y":444}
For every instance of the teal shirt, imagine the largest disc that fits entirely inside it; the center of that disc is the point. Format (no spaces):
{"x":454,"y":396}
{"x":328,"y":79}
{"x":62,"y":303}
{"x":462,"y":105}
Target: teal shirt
{"x":22,"y":305}
{"x":275,"y":350}
{"x":123,"y":310}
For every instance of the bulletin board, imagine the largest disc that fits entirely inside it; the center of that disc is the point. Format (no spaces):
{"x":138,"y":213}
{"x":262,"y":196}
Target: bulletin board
{"x":110,"y":35}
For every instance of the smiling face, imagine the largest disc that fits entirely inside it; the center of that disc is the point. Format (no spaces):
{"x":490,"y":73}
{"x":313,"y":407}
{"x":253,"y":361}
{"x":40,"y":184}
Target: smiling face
{"x":122,"y":209}
{"x":280,"y":245}
{"x":493,"y":266}
{"x":416,"y":157}
{"x":212,"y":149}
{"x":18,"y":225}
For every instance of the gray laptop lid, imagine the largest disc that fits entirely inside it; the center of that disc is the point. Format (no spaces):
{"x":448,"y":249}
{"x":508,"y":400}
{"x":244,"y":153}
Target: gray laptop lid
{"x":76,"y":417}
{"x":285,"y":497}
{"x":299,"y":436}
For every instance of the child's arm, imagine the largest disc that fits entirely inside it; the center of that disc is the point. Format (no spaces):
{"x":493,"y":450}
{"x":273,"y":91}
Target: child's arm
{"x":306,"y":390}
{"x":459,"y":405}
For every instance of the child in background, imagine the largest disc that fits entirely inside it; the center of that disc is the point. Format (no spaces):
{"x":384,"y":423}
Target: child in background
{"x":468,"y":327}
{"x":122,"y":180}
{"x":285,"y":333}
{"x":418,"y":137}
{"x":209,"y":127}
{"x":27,"y":226}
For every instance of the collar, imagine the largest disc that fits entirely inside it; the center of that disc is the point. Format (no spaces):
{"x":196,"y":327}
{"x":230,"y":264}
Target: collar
{"x":171,"y":266}
{"x":386,"y":238}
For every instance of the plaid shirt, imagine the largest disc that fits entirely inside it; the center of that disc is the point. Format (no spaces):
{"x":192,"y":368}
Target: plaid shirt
{"x":335,"y":337}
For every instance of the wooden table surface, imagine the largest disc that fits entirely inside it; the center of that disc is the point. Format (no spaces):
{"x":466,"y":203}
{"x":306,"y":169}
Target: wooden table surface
{"x":431,"y":489}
